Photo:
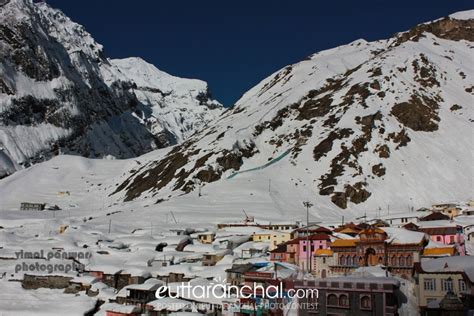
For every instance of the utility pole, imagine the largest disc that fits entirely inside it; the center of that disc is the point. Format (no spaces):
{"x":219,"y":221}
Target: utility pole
{"x":307,"y":204}
{"x":174,"y":218}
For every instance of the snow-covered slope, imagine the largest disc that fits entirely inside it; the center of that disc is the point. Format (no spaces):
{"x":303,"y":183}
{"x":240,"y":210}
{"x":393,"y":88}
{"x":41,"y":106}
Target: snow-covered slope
{"x":179,"y":107}
{"x":363,"y":126}
{"x":59,"y":93}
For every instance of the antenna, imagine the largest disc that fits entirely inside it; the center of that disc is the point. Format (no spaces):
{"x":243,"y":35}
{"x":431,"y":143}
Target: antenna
{"x":248,"y":219}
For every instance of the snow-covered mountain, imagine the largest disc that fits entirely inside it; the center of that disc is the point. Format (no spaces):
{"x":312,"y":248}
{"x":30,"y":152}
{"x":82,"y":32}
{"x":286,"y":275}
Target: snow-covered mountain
{"x":60,"y":93}
{"x":366,"y":125}
{"x":178,"y":106}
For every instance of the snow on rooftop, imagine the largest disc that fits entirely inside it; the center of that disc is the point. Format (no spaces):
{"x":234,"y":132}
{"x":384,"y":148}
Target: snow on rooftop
{"x":85,"y":280}
{"x":372,"y":271}
{"x":448,"y":264}
{"x":434,"y":244}
{"x":107,"y":269}
{"x":403,"y":236}
{"x":438,"y":223}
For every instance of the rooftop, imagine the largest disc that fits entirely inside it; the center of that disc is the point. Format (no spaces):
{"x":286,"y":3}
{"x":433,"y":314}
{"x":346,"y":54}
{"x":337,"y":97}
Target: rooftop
{"x":450,"y":264}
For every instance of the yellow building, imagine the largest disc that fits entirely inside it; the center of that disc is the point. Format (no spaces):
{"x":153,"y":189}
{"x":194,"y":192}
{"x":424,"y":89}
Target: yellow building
{"x":439,"y":252}
{"x":436,"y":277}
{"x":206,"y":237}
{"x":277,"y":238}
{"x":262,"y":236}
{"x":451,"y":211}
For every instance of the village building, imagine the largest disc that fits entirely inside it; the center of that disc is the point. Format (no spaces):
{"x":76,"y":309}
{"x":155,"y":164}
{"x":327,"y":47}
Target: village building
{"x":210,"y":259}
{"x":311,"y":230}
{"x":275,"y":275}
{"x":175,"y":273}
{"x":395,"y":248}
{"x":439,"y":252}
{"x":80,"y":283}
{"x":400,"y":219}
{"x":235,"y":275}
{"x":231,"y":241}
{"x":436,"y":278}
{"x":279,"y":237}
{"x":280,"y":226}
{"x":138,"y":294}
{"x":161,"y":261}
{"x":307,"y":246}
{"x":448,"y":235}
{"x":118,"y":278}
{"x":262,"y":236}
{"x":452,"y":211}
{"x":280,"y":254}
{"x":449,"y":209}
{"x":435,"y":216}
{"x":50,"y":281}
{"x":322,"y":260}
{"x":349,"y":231}
{"x":205,"y":237}
{"x":27,"y":206}
{"x":349,"y":296}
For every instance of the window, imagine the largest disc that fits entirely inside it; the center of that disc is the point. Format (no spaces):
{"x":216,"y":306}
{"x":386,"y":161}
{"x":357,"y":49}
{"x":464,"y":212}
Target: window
{"x":451,"y":239}
{"x":409,"y":261}
{"x":332,"y":300}
{"x":365,"y":302}
{"x":349,"y":261}
{"x":462,"y":286}
{"x":394,"y":260}
{"x":343,"y":300}
{"x":320,"y":246}
{"x":401,"y":261}
{"x":447,"y":284}
{"x":324,"y":260}
{"x":342,"y":261}
{"x":304,"y":248}
{"x":438,"y":238}
{"x":429,"y":285}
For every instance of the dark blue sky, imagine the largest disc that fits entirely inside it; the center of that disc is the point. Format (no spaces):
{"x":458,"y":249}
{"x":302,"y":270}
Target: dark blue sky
{"x":234,"y":44}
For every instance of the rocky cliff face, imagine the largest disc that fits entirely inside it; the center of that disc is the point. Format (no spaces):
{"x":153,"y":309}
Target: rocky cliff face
{"x":359,"y":126}
{"x":59,"y":93}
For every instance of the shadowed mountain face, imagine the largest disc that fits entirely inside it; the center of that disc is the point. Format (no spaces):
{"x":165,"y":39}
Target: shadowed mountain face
{"x":368,"y":123}
{"x":59,"y":93}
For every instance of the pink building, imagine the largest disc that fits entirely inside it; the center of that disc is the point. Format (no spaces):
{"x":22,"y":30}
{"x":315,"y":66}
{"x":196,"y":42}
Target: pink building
{"x":452,"y":235}
{"x":317,"y":241}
